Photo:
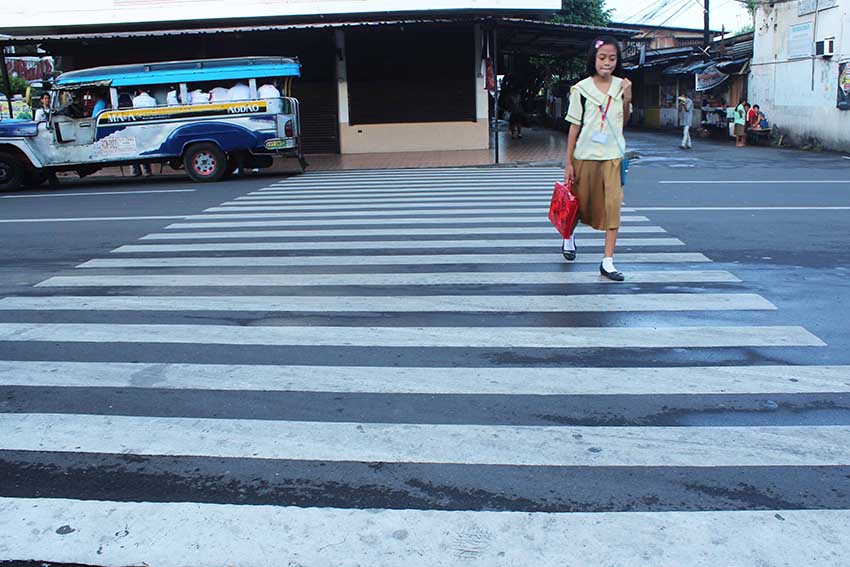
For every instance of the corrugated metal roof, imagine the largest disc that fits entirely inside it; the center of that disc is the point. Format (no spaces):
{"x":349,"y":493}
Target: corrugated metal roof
{"x":499,"y":22}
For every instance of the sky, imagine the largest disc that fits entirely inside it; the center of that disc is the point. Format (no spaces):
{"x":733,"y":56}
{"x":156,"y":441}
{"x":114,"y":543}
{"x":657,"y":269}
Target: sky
{"x":730,"y":13}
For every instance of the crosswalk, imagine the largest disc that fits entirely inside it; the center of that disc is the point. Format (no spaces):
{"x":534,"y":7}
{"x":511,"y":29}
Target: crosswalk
{"x":397,"y":367}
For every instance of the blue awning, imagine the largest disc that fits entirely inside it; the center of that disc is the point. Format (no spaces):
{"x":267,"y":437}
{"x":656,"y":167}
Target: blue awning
{"x":686,"y":68}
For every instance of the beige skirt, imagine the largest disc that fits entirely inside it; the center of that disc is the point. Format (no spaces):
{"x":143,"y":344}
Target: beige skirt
{"x":599,"y":192}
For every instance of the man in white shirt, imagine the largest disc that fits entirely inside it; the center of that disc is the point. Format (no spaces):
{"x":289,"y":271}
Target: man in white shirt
{"x":268,"y":91}
{"x":219,"y":94}
{"x":686,"y":105}
{"x":143,"y":100}
{"x":239,"y":91}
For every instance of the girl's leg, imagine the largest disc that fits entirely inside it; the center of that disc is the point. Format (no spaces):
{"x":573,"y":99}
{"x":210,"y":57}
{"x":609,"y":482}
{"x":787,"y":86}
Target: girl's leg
{"x":607,"y":267}
{"x":610,"y":241}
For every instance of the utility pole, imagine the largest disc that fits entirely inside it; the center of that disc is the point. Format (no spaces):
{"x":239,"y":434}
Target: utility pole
{"x":706,"y":33}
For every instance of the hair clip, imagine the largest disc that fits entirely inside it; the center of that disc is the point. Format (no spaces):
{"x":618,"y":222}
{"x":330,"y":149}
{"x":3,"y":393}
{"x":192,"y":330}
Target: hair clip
{"x":598,"y":44}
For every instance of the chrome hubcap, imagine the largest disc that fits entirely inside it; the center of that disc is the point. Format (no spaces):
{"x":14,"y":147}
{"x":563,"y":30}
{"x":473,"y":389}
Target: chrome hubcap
{"x":204,"y":163}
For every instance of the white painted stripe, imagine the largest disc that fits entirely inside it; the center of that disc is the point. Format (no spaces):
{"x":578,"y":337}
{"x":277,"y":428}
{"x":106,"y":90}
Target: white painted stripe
{"x":407,"y":279}
{"x":269,"y":193}
{"x":438,"y":444}
{"x":402,"y":213}
{"x":378,"y":221}
{"x":357,"y":232}
{"x":541,"y":186}
{"x":653,"y":302}
{"x":177,"y":534}
{"x":539,"y":204}
{"x":240,"y":201}
{"x":384,"y":337}
{"x":429,"y":173}
{"x":412,"y":259}
{"x":528,"y":381}
{"x":778,"y":208}
{"x":756,"y":182}
{"x":90,"y":219}
{"x":388,"y":244}
{"x":477,"y":177}
{"x":97,"y":193}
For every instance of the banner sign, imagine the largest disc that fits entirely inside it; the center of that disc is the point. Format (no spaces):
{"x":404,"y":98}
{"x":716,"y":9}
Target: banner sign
{"x":811,"y":6}
{"x":709,"y":78}
{"x":800,"y":41}
{"x":844,"y":86}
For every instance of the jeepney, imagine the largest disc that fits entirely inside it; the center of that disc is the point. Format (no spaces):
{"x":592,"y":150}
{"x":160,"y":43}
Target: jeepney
{"x":207,"y":116}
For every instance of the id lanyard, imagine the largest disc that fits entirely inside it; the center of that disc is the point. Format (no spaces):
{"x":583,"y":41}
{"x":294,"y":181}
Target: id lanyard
{"x":604,"y":113}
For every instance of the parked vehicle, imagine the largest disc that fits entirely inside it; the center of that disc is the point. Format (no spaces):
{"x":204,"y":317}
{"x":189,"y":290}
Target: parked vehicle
{"x":160,"y":113}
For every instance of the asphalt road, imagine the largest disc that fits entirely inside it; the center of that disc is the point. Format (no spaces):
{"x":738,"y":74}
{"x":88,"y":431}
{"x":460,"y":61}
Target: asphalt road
{"x":210,"y":388}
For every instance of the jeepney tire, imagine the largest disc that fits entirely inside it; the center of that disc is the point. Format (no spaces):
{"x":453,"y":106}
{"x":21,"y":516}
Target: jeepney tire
{"x":11,"y":172}
{"x":35,"y":178}
{"x":205,"y":162}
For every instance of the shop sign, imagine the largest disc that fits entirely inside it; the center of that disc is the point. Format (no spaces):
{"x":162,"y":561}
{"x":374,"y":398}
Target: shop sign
{"x":844,"y":86}
{"x":709,"y":78}
{"x":811,"y":6}
{"x":800,"y":41}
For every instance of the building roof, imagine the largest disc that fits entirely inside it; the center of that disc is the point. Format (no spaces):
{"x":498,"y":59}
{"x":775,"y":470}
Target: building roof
{"x":60,"y":17}
{"x":520,"y":35}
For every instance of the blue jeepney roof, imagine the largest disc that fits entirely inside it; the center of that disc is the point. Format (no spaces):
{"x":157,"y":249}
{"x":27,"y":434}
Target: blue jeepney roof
{"x":182,"y":72}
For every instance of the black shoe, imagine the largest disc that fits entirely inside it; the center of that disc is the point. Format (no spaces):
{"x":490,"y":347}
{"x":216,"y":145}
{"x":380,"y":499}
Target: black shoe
{"x":568,"y":254}
{"x":615,"y":276}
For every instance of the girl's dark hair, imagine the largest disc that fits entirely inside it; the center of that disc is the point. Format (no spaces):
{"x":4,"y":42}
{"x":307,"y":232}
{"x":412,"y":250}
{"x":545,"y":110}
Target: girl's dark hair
{"x":590,"y":69}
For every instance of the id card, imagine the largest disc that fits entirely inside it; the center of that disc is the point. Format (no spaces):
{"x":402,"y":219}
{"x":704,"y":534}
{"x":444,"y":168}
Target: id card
{"x":599,"y":138}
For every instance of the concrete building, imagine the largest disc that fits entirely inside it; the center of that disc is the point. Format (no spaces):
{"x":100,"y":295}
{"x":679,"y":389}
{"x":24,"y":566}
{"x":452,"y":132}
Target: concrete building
{"x":796,"y":78}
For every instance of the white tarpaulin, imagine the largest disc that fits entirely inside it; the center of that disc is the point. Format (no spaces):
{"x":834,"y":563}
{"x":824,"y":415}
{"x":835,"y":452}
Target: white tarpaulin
{"x":709,"y":78}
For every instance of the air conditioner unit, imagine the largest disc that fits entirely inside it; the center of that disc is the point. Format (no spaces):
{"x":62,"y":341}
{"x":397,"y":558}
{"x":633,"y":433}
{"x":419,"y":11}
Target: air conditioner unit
{"x":825,"y":48}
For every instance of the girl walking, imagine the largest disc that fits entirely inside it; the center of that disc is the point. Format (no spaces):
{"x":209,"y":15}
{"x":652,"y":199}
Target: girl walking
{"x":599,"y":106}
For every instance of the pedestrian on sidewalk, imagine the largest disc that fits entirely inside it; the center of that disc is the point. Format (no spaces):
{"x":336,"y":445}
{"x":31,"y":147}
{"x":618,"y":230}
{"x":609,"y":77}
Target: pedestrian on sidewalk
{"x":686,"y":105}
{"x":740,"y":118}
{"x":599,"y":107}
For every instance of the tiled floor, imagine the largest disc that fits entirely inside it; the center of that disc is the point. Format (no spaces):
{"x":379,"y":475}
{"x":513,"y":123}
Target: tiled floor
{"x":536,"y":146}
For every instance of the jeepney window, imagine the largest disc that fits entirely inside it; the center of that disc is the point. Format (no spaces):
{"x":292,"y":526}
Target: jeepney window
{"x":219,"y":91}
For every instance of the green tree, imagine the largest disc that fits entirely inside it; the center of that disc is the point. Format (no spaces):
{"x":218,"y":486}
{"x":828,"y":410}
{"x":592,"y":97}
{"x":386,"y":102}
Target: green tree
{"x":583,"y":12}
{"x":19,"y":86}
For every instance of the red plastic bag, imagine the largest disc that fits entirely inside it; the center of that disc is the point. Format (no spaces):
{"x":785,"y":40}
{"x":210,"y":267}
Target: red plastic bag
{"x":563,"y":210}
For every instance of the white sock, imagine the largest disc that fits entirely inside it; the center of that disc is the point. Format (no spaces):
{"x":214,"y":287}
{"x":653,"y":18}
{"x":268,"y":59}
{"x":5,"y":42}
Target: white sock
{"x":608,"y":265}
{"x":570,"y":243}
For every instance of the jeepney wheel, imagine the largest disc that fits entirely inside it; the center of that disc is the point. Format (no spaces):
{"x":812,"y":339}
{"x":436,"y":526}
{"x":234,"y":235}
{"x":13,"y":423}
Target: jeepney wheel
{"x":11,"y":172}
{"x":205,"y":162}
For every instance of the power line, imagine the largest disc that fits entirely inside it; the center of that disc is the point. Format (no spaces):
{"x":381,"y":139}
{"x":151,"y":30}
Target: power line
{"x":686,"y":4}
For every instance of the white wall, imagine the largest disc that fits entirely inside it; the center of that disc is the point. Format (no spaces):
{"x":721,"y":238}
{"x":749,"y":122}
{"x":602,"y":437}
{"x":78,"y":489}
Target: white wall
{"x":15,"y":14}
{"x":799,"y":95}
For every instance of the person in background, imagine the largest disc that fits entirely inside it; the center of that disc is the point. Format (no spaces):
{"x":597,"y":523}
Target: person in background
{"x":43,"y":114}
{"x":199,"y":96}
{"x":219,"y":94}
{"x":740,"y":120}
{"x":754,"y":117}
{"x":686,"y":105}
{"x":172,"y":97}
{"x":143,"y":99}
{"x":268,"y":90}
{"x":599,"y":107}
{"x":239,"y":91}
{"x":99,"y":105}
